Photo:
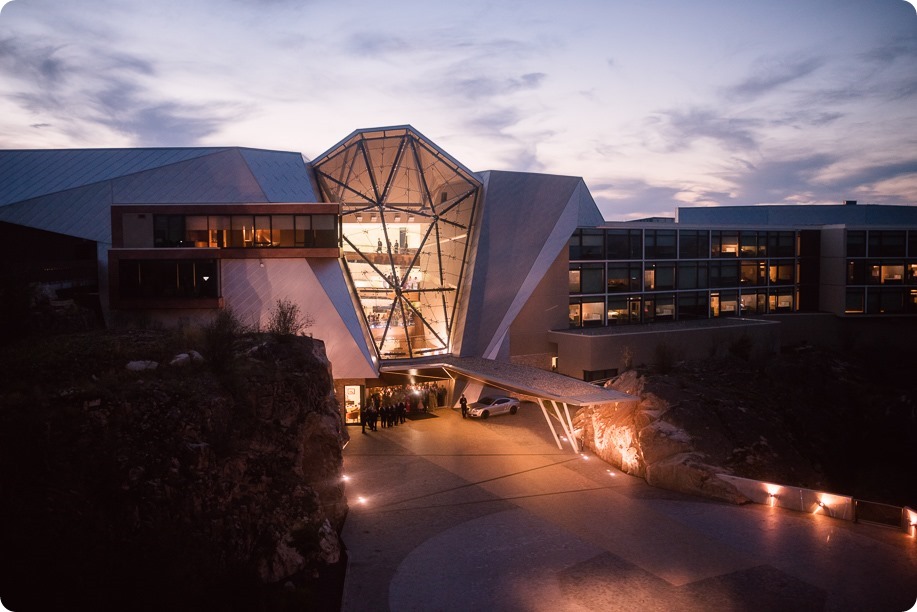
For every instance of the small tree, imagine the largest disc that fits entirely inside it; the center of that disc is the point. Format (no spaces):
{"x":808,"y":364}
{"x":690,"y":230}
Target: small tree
{"x":220,"y":337}
{"x":287,"y":319}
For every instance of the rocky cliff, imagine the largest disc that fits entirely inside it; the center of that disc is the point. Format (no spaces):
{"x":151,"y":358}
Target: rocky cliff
{"x":844,"y":423}
{"x":169,"y":484}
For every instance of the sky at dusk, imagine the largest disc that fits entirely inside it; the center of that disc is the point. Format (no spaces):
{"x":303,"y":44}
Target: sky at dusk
{"x":655,"y":103}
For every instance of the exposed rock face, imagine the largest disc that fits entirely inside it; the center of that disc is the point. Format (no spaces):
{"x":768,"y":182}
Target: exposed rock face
{"x":174,"y":488}
{"x":841,"y":422}
{"x":636,"y":438}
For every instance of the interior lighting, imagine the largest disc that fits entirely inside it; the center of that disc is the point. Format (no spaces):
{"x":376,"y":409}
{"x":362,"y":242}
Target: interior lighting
{"x":361,"y":500}
{"x":345,"y":477}
{"x":206,"y":278}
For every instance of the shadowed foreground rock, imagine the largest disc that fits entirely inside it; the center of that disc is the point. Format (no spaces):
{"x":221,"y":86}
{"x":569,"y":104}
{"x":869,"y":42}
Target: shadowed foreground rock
{"x":172,"y":488}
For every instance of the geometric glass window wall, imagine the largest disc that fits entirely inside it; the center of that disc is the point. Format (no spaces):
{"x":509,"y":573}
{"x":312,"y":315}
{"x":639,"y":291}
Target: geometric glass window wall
{"x":407,"y":213}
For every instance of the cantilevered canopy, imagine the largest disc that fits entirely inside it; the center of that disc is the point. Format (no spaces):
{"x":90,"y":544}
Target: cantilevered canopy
{"x":555,"y":393}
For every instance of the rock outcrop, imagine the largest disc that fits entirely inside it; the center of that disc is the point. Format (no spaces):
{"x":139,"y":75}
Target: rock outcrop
{"x":174,"y":488}
{"x":636,"y":438}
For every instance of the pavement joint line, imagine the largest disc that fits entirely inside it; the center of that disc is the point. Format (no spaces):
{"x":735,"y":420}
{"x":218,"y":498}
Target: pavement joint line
{"x":479,"y":482}
{"x":385,"y":508}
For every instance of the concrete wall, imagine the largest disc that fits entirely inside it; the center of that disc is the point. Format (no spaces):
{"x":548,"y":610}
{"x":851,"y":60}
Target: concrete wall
{"x":644,"y":346}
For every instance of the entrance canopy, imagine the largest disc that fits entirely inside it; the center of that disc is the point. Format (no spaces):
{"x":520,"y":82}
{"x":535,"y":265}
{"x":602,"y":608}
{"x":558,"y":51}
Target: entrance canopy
{"x":555,"y":393}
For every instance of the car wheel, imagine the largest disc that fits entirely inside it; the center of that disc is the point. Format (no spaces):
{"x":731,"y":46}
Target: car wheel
{"x":513,"y":409}
{"x":485,"y":414}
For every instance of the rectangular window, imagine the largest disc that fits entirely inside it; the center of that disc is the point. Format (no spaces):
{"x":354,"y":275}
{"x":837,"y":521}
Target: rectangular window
{"x":724,"y":274}
{"x":693,"y":244}
{"x":218,"y":231}
{"x":887,"y":243}
{"x":856,"y":272}
{"x":856,"y":302}
{"x":692,"y":306}
{"x":748,"y":244}
{"x":659,"y":244}
{"x":168,"y":230}
{"x":781,"y":244}
{"x":587,"y":278}
{"x":856,"y":244}
{"x":692,"y":275}
{"x":156,"y":279}
{"x":724,"y":243}
{"x":574,"y":282}
{"x":623,"y":244}
{"x":623,"y":277}
{"x":592,"y":313}
{"x":587,"y":244}
{"x":659,"y":277}
{"x":576,"y":319}
{"x":242,"y":231}
{"x":780,"y":272}
{"x":196,"y":233}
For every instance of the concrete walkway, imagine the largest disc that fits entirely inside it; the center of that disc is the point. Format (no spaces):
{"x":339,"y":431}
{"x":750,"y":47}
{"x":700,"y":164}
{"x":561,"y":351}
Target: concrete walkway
{"x":453,"y":514}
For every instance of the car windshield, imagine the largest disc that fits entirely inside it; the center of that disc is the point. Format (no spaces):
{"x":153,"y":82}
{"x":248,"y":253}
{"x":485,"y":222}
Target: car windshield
{"x":486,"y":400}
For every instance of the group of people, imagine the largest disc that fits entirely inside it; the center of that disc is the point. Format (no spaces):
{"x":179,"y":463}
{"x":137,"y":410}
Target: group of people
{"x":390,"y":405}
{"x":388,"y":416}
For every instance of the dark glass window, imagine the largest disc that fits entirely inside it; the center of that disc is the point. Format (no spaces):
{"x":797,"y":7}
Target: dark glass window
{"x":724,"y":274}
{"x":659,"y":276}
{"x":856,"y":244}
{"x":887,"y":243}
{"x":659,"y":244}
{"x":693,"y":244}
{"x":912,"y":244}
{"x":693,"y":306}
{"x":623,"y":277}
{"x":885,"y":301}
{"x":587,"y":244}
{"x":623,"y":244}
{"x":587,"y":278}
{"x":781,"y":244}
{"x":856,"y":302}
{"x":168,"y":230}
{"x":856,"y":272}
{"x":155,"y":278}
{"x":692,"y":275}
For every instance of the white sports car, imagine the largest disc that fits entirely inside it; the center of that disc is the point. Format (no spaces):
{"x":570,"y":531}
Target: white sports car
{"x":487,"y":406}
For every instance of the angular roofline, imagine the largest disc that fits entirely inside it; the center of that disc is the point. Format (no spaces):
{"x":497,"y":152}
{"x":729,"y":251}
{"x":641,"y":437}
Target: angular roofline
{"x":408,"y":127}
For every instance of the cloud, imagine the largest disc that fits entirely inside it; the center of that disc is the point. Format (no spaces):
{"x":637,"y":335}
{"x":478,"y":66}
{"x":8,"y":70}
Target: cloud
{"x":681,"y":129}
{"x":478,"y":87}
{"x":631,"y":198}
{"x":770,"y":75}
{"x":780,"y":180}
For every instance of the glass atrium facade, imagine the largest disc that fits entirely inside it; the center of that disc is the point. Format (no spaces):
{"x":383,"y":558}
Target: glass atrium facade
{"x":406,"y":220}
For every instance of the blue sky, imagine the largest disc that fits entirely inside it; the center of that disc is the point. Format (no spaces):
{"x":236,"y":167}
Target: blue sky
{"x":655,"y":103}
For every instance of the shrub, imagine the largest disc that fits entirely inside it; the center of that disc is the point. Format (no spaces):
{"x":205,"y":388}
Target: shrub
{"x":287,"y":319}
{"x":220,"y":336}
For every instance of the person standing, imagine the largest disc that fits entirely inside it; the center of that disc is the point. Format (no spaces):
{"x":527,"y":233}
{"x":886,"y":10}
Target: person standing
{"x":464,"y":404}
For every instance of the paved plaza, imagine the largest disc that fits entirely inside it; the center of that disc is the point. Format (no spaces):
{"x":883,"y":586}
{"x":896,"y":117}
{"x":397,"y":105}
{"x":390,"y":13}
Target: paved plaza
{"x":453,"y":514}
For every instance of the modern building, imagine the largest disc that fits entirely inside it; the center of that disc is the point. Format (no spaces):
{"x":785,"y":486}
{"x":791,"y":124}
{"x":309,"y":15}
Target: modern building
{"x":414,"y":268}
